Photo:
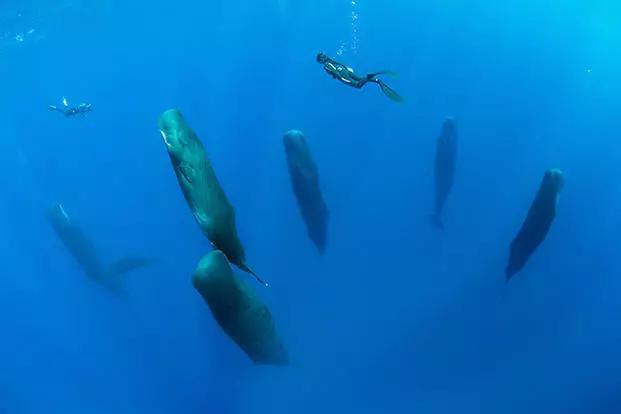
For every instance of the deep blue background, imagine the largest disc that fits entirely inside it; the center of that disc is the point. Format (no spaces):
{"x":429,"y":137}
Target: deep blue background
{"x":395,"y":318}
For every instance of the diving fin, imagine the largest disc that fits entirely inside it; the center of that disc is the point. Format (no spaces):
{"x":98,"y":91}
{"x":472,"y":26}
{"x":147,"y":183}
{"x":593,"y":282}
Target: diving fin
{"x":390,"y":73}
{"x":389,"y":92}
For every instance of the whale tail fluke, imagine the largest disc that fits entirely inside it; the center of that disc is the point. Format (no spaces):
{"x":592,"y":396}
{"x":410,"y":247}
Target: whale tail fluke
{"x":127,"y":264}
{"x":436,"y":220}
{"x":246,"y":269}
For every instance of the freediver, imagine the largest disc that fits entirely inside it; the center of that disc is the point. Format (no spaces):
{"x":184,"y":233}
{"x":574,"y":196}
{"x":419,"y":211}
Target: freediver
{"x":347,"y":75}
{"x":81,"y":109}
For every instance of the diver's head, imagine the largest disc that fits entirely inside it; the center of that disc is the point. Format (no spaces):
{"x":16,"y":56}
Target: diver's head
{"x":322,"y":58}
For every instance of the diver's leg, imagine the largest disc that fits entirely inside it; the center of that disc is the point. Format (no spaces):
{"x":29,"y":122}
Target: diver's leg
{"x":363,"y":81}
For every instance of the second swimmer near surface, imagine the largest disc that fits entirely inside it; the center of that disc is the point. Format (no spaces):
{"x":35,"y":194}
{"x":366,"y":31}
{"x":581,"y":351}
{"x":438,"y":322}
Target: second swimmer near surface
{"x":68,"y":111}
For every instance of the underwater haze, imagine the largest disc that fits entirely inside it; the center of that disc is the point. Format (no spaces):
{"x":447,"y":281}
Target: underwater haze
{"x":395,"y":316}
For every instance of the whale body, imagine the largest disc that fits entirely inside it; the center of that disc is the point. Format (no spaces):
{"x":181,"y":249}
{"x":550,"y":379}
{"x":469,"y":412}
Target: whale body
{"x":445,"y":162}
{"x":306,"y":187}
{"x":197,"y":179}
{"x":538,"y":222}
{"x":238,"y":310}
{"x":84,"y":252}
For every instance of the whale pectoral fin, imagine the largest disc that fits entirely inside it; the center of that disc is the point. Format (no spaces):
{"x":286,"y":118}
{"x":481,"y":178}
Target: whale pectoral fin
{"x":127,"y":264}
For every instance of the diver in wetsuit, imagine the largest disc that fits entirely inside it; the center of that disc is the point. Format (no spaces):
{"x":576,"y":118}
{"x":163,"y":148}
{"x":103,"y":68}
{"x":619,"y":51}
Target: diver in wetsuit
{"x":347,"y":75}
{"x":81,"y":109}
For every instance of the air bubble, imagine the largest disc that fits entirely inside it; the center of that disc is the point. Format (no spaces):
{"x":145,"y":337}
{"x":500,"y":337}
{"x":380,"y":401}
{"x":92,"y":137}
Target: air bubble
{"x":352,"y":43}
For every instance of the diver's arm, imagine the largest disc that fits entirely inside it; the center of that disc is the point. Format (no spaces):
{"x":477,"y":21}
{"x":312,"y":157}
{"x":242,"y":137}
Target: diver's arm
{"x":331,"y":68}
{"x":331,"y":71}
{"x":339,"y":67}
{"x":341,"y":73}
{"x":57,"y":109}
{"x":330,"y":61}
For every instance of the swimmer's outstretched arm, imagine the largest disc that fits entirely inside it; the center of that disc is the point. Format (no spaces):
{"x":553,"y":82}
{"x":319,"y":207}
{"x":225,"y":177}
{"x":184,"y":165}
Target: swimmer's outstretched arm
{"x":55,"y":108}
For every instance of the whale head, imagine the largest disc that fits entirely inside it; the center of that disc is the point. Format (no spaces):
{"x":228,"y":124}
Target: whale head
{"x":449,"y":126}
{"x":176,"y":135}
{"x":554,"y":179}
{"x":57,"y":212}
{"x":294,"y":141}
{"x":58,"y":217}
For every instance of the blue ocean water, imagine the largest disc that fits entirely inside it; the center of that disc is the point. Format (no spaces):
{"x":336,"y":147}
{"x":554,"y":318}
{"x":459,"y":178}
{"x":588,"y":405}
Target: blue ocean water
{"x":395,"y":317}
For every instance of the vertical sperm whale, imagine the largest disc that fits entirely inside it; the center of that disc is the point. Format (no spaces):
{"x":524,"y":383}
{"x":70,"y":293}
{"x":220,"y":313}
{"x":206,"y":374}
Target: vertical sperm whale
{"x":197,"y":179}
{"x":445,"y":162}
{"x":538,"y":222}
{"x":306,"y":187}
{"x":83,"y":250}
{"x":238,"y":310}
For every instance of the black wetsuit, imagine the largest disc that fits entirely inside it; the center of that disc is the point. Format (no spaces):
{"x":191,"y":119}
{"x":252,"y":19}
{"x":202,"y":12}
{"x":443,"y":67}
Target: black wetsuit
{"x":347,"y":76}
